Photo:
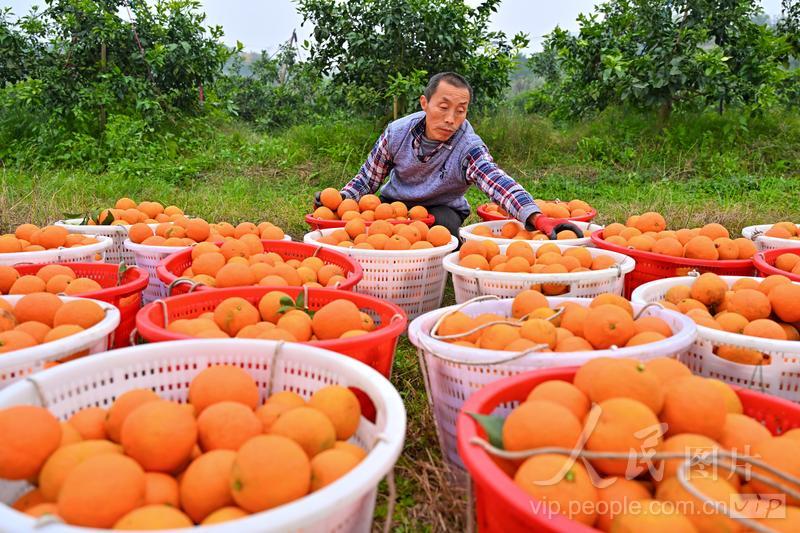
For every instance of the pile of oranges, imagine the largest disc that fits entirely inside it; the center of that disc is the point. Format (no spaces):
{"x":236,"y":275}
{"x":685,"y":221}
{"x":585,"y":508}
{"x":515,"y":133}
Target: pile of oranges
{"x":41,"y":317}
{"x":620,"y":404}
{"x":32,"y":238}
{"x":784,"y":230}
{"x":788,"y":262}
{"x":276,"y":316}
{"x":607,"y":321}
{"x":148,"y":463}
{"x":126,"y":212}
{"x":55,"y":279}
{"x":383,"y":235}
{"x":648,"y":233}
{"x":554,"y":209}
{"x":520,"y":257}
{"x":368,"y":208}
{"x":244,"y":261}
{"x":515,"y":230}
{"x":765,"y":308}
{"x":185,"y":231}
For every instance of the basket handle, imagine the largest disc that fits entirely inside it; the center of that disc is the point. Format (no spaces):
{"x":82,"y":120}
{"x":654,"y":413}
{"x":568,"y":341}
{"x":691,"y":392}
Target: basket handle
{"x":182,"y":281}
{"x":513,"y":356}
{"x":638,"y":315}
{"x":132,"y":336}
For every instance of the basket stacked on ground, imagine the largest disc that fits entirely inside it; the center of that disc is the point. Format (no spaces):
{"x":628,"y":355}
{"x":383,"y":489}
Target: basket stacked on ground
{"x":779,"y":378}
{"x":470,"y":282}
{"x":321,"y":223}
{"x":121,"y":288}
{"x":168,"y":368}
{"x":375,"y":349}
{"x":169,"y":271}
{"x":467,"y":233}
{"x":765,"y":263}
{"x":116,"y":253}
{"x":412,"y":279}
{"x":500,"y":505}
{"x":755,"y":234}
{"x":650,"y":266}
{"x":488,"y":215}
{"x":453,"y":373}
{"x":19,"y":364}
{"x":149,"y":257}
{"x":90,"y":253}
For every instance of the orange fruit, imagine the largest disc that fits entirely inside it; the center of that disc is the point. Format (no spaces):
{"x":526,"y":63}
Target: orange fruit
{"x":8,"y":275}
{"x":605,"y":378}
{"x":222,"y":383}
{"x":232,"y":314}
{"x":667,"y":369}
{"x":269,"y":305}
{"x":226,"y":514}
{"x":69,"y":435}
{"x":741,"y":432}
{"x":269,"y":470}
{"x":234,"y":275}
{"x":123,"y":405}
{"x":298,"y":323}
{"x":341,"y":406}
{"x":522,"y":428}
{"x":438,"y":235}
{"x":42,"y":509}
{"x":161,"y":489}
{"x":205,"y":485}
{"x":701,"y":247}
{"x":330,"y":198}
{"x":652,"y":323}
{"x":38,"y":306}
{"x":335,"y":318}
{"x":15,"y":340}
{"x":27,"y":284}
{"x":539,"y":331}
{"x":37,"y":330}
{"x":607,"y":298}
{"x":329,"y":466}
{"x":562,"y":393}
{"x":226,"y":425}
{"x":357,"y":451}
{"x":785,"y":519}
{"x":572,"y":494}
{"x":101,"y":490}
{"x":782,"y":454}
{"x":709,"y":289}
{"x":693,"y":405}
{"x":307,"y":426}
{"x":48,"y":271}
{"x":764,"y":328}
{"x":615,"y":499}
{"x":751,"y":304}
{"x":52,"y":237}
{"x":714,"y":488}
{"x":526,"y":302}
{"x":81,"y":286}
{"x":654,"y":517}
{"x":83,"y":313}
{"x":30,"y":435}
{"x":607,"y":325}
{"x":159,"y":435}
{"x":770,"y":282}
{"x":153,"y":517}
{"x":783,"y":299}
{"x":61,"y":463}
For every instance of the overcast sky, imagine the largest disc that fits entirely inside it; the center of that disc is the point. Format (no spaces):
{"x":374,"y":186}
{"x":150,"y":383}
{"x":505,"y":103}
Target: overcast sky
{"x":265,"y":24}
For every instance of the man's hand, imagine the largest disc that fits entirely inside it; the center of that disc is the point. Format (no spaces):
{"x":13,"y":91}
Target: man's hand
{"x":552,"y":226}
{"x":317,"y":201}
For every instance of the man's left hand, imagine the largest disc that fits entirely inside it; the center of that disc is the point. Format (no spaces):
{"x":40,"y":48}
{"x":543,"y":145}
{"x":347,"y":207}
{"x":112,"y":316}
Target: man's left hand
{"x":552,"y":226}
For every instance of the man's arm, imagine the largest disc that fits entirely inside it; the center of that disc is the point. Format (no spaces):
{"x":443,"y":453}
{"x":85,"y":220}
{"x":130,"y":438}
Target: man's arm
{"x":500,"y":187}
{"x":372,"y":172}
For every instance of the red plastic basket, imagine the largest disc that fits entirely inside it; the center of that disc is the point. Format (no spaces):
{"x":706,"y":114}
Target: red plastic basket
{"x":321,"y":223}
{"x":501,"y":506}
{"x":125,"y":293}
{"x":765,"y":263}
{"x":171,"y":268}
{"x":489,"y":215}
{"x":651,"y":266}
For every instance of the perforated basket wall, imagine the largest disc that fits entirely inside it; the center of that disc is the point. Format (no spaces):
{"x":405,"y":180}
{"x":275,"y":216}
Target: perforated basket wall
{"x":19,"y":364}
{"x":467,"y":233}
{"x":148,"y":258}
{"x":453,"y":373}
{"x":117,"y":253}
{"x":780,"y":378}
{"x":168,"y":368}
{"x":469,"y":282}
{"x":411,"y":279}
{"x":91,"y":253}
{"x":763,"y":243}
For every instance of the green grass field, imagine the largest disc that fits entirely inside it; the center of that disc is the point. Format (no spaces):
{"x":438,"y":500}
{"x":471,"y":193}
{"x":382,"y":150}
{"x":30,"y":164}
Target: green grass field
{"x":701,"y":170}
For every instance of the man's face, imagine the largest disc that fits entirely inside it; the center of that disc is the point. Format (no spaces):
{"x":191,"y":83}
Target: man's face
{"x":445,"y":112}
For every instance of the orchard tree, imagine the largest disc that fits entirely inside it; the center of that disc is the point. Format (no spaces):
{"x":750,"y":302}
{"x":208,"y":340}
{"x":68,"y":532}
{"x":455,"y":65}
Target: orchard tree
{"x":387,"y":48}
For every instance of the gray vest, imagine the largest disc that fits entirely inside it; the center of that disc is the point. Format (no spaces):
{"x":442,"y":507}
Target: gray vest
{"x":438,"y":181}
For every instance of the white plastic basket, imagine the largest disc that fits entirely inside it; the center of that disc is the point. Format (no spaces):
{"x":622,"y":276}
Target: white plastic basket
{"x":168,"y":368}
{"x":412,"y":279}
{"x":116,"y":253}
{"x":453,"y":373}
{"x":78,"y":254}
{"x":148,"y":257}
{"x":469,"y":282}
{"x":21,"y":363}
{"x":780,"y":378}
{"x":755,"y":234}
{"x":467,"y":233}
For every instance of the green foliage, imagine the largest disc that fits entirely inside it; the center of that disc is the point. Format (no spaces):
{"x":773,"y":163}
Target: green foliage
{"x":660,"y":54}
{"x":364,"y":44}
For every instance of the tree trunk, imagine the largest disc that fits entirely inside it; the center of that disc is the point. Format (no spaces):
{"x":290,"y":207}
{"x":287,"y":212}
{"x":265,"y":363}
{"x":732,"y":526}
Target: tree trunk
{"x":664,"y":112}
{"x":395,"y":105}
{"x":103,"y":59}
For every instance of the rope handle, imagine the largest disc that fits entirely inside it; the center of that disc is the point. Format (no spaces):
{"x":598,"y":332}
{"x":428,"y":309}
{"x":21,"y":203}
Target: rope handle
{"x":513,"y":356}
{"x":183,"y":281}
{"x":638,"y":315}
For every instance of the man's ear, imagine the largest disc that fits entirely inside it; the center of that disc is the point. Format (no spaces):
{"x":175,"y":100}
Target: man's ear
{"x":423,"y":102}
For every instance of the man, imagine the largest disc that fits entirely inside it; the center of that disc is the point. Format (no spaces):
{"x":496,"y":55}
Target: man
{"x":432,"y":157}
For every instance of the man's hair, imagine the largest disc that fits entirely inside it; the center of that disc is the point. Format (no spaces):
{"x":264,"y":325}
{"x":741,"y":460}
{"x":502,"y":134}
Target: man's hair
{"x":452,"y":78}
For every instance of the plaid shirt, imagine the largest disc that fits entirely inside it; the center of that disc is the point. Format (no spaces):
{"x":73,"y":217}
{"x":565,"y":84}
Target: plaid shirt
{"x":478,"y":166}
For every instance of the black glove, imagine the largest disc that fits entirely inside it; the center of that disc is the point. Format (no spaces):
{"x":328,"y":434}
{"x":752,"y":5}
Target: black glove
{"x":552,"y":226}
{"x":317,"y":201}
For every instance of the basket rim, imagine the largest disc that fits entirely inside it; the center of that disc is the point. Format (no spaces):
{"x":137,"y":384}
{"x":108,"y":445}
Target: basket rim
{"x":104,"y":243}
{"x":420,"y":336}
{"x":166,"y":276}
{"x":598,"y":239}
{"x":150,"y":248}
{"x":641,"y":293}
{"x":294,"y":515}
{"x":482,"y":212}
{"x":311,"y":236}
{"x":763,"y":264}
{"x":138,"y":283}
{"x":65,"y":345}
{"x":467,"y":232}
{"x":74,"y":224}
{"x":321,"y":223}
{"x":755,"y":234}
{"x":146,"y":324}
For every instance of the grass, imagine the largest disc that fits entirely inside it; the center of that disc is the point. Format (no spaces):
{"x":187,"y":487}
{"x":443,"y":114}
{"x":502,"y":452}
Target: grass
{"x":702,"y":169}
